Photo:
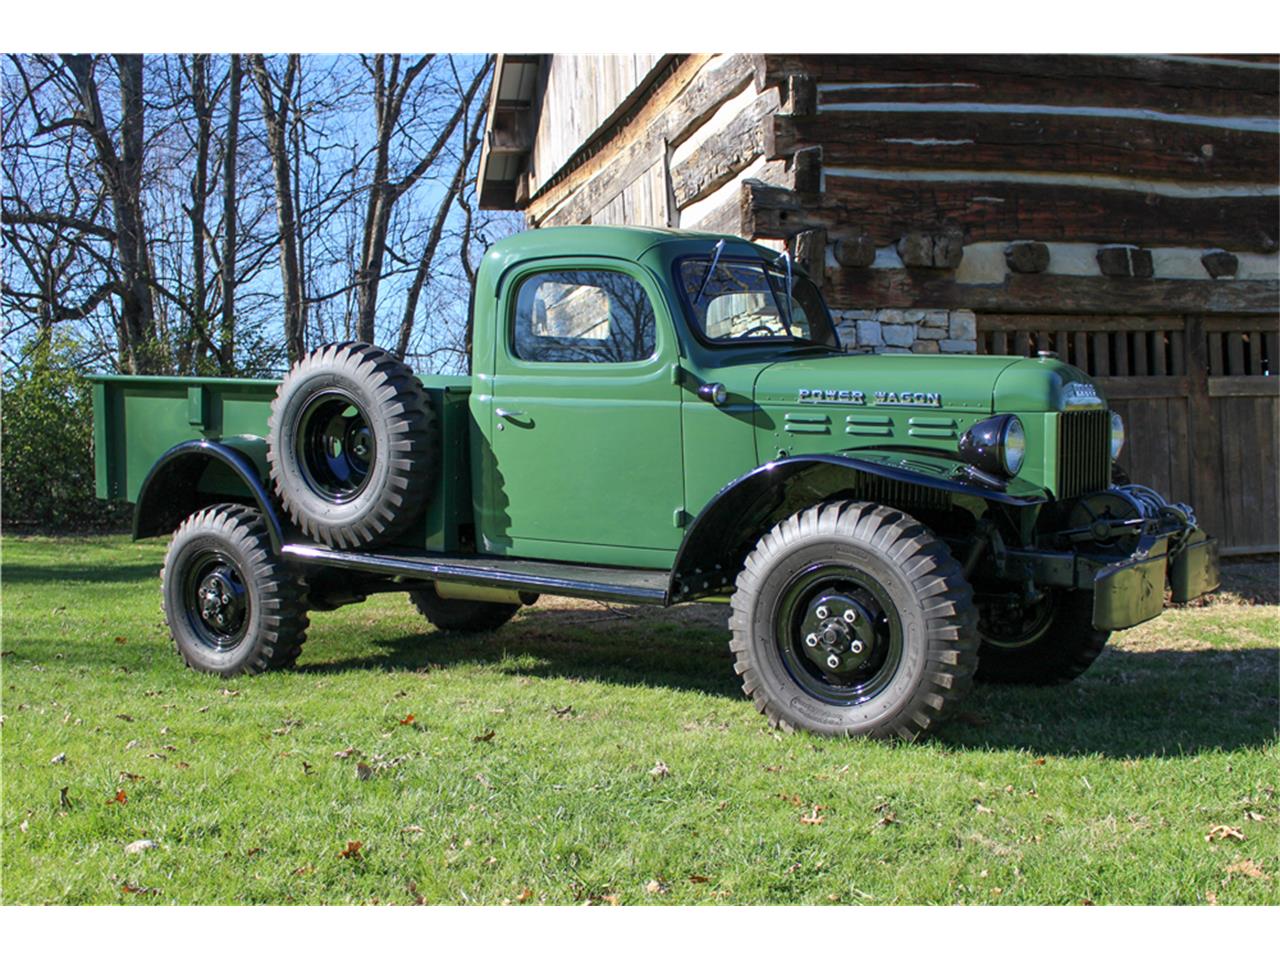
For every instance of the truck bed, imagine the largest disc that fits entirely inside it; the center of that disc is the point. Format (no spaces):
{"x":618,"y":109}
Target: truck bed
{"x":137,"y":419}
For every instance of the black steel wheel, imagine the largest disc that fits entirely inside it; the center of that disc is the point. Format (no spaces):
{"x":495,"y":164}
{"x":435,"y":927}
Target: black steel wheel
{"x":461,"y":616}
{"x":851,"y":619}
{"x":352,"y":445}
{"x":231,"y":605}
{"x":1048,"y":642}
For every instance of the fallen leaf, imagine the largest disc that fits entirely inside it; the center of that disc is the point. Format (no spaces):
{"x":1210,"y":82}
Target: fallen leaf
{"x":776,"y":769}
{"x":121,"y":798}
{"x":343,"y":754}
{"x":484,"y":737}
{"x":794,"y":799}
{"x":978,"y":807}
{"x":610,"y":898}
{"x":352,"y":850}
{"x":125,"y":775}
{"x":1254,"y":815}
{"x":145,"y":891}
{"x":484,"y":781}
{"x":182,"y":765}
{"x":203,"y":710}
{"x":60,"y":758}
{"x":408,"y":719}
{"x":121,"y":640}
{"x":411,"y":828}
{"x":525,"y":894}
{"x":253,"y":852}
{"x":562,"y":711}
{"x":655,"y":887}
{"x":24,"y":826}
{"x":64,"y":801}
{"x":1038,"y":761}
{"x":814,"y":818}
{"x":1223,"y":832}
{"x":363,"y":771}
{"x":138,"y":846}
{"x":887,"y":819}
{"x":1211,"y":898}
{"x":229,"y":693}
{"x":133,"y":744}
{"x":125,"y":717}
{"x":698,"y":878}
{"x":303,"y":870}
{"x":660,"y":770}
{"x":1249,"y":868}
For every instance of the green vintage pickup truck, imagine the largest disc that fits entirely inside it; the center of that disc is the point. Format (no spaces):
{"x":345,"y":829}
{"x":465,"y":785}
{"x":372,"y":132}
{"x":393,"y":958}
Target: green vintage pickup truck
{"x":661,"y":417}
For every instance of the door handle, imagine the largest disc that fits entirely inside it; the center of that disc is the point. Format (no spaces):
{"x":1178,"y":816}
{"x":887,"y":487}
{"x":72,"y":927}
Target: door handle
{"x":509,"y":414}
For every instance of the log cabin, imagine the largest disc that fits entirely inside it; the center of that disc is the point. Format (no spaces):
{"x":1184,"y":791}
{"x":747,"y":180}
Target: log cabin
{"x":1121,"y":211}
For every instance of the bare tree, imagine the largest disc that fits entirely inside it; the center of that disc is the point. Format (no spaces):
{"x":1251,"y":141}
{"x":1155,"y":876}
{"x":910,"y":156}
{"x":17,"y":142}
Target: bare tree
{"x":227,"y":273}
{"x":390,"y":92}
{"x":275,"y":115}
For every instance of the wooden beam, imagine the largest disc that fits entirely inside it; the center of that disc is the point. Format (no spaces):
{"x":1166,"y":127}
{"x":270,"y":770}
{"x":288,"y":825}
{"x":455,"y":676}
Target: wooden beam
{"x":1003,"y":210}
{"x":986,"y":139}
{"x":1049,"y":293}
{"x":724,"y":154}
{"x":1165,"y":84}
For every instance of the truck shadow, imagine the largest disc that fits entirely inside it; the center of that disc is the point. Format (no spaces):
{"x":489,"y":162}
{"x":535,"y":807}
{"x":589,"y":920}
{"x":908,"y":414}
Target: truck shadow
{"x":1133,"y":703}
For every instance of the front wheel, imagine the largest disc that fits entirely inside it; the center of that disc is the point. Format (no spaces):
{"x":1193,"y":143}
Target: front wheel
{"x":851,"y":619}
{"x":1051,"y":641}
{"x":231,"y":605}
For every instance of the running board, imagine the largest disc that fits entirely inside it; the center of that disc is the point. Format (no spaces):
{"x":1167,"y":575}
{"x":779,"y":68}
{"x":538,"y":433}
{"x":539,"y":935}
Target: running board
{"x":533,"y":576}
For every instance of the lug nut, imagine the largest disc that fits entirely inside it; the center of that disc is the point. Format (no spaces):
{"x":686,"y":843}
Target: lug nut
{"x":850,"y":616}
{"x":856,"y":646}
{"x":811,"y":639}
{"x":822,"y":613}
{"x":833,"y":661}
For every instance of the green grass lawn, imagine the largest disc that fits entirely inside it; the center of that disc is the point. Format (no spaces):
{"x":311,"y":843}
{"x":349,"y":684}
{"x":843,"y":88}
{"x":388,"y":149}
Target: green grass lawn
{"x":519,"y":766}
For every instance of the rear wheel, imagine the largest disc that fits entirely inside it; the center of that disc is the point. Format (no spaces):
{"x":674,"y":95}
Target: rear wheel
{"x":851,"y":619}
{"x":231,"y":605}
{"x":1048,"y":642}
{"x":461,"y":616}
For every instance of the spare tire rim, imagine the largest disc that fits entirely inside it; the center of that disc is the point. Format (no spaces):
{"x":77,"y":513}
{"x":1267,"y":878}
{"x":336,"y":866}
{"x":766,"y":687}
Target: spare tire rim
{"x":336,"y":446}
{"x":216,"y":601}
{"x":838,"y":634}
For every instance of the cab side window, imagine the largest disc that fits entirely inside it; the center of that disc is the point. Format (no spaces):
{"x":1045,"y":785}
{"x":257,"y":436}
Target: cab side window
{"x":583,"y":316}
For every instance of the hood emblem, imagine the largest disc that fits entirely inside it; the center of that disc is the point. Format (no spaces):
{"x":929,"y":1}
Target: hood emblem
{"x":881,"y":398}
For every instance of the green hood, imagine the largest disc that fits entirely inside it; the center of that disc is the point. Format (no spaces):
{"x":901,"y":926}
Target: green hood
{"x":963,"y":384}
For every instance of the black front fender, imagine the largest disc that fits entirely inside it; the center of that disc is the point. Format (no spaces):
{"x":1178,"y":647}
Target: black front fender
{"x":724,"y":532}
{"x":171,"y":491}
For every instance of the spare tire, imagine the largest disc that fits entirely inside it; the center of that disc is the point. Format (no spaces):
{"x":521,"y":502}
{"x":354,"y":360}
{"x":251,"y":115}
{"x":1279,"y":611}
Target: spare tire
{"x":351,"y":445}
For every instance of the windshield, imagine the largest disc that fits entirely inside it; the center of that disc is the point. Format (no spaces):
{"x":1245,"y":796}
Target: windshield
{"x":745,"y":300}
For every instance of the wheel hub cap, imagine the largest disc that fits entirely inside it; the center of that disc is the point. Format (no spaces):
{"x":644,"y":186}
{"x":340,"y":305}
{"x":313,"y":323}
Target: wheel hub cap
{"x":839,"y":634}
{"x":221,"y":599}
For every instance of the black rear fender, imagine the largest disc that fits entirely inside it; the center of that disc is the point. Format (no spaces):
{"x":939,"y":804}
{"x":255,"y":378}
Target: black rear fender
{"x":198,"y":473}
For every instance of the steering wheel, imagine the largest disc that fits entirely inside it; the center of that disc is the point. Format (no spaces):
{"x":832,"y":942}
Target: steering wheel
{"x":768,"y":330}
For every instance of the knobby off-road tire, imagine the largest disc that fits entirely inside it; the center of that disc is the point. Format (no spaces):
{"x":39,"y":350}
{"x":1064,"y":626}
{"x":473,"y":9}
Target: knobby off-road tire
{"x":231,"y":605}
{"x":461,"y":616}
{"x":352,"y":445}
{"x":1054,"y":646}
{"x":868,"y":587}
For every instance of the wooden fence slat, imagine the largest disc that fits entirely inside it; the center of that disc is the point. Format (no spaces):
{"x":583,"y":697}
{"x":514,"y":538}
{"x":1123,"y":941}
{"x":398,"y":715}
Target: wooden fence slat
{"x":1120,"y":341}
{"x":1235,"y":354}
{"x":1140,"y":367}
{"x":1159,"y":362}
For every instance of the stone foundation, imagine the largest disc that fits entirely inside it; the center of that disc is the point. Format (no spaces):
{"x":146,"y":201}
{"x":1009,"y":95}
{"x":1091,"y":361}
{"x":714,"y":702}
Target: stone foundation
{"x":907,"y":331}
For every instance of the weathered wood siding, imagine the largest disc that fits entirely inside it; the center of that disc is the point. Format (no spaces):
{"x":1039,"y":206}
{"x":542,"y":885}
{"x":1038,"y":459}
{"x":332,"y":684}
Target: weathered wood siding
{"x":579,"y":94}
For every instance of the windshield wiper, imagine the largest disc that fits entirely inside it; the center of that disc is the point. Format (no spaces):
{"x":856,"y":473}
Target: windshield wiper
{"x":706,"y":277}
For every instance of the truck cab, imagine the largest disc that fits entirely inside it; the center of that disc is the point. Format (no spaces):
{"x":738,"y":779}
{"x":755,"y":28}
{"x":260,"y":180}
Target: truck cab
{"x":656,"y":416}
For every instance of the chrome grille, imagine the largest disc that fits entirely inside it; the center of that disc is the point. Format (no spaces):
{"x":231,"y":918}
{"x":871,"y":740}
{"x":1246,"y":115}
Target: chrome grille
{"x":1084,"y":452}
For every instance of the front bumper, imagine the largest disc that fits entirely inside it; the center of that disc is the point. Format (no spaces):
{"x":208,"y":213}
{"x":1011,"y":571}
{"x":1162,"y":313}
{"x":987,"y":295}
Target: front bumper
{"x":1131,"y":590}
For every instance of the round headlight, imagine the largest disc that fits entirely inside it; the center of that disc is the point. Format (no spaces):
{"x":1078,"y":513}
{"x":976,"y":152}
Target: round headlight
{"x":1013,"y":446}
{"x":1117,"y":435}
{"x":996,"y":445}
